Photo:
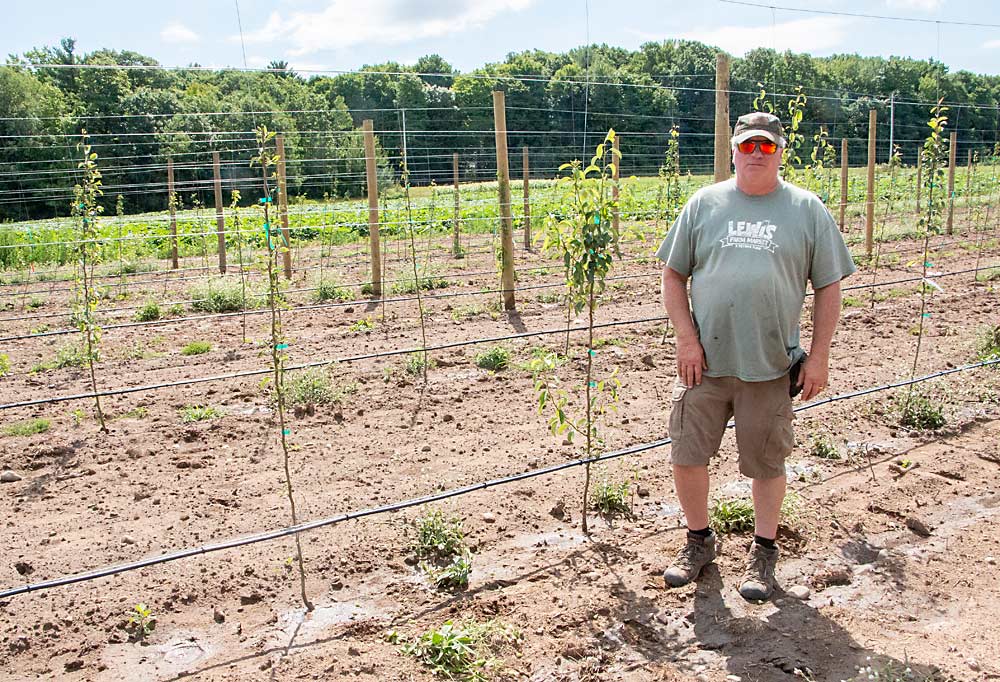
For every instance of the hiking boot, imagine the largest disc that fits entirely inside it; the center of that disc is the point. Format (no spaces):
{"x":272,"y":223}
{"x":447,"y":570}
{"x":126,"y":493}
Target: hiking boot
{"x":692,"y":557}
{"x":758,"y":578}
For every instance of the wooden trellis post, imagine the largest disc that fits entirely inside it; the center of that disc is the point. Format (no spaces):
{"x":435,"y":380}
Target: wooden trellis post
{"x":456,"y":245}
{"x":952,"y":151}
{"x":286,"y":254}
{"x":615,"y":215}
{"x":220,"y":218}
{"x":843,"y":181}
{"x":172,"y":205}
{"x":506,"y":219}
{"x":920,"y":170}
{"x":372,"y":180}
{"x":527,"y":199}
{"x":870,"y":199}
{"x":722,"y":149}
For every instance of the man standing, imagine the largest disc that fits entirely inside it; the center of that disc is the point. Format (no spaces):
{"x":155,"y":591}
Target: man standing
{"x":749,"y":246}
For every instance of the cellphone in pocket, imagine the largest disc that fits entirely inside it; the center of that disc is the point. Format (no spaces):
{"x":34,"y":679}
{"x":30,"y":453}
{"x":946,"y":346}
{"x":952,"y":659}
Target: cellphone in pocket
{"x":793,"y":376}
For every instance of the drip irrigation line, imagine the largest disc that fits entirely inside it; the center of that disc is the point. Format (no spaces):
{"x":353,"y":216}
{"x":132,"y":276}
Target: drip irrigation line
{"x":320,"y":363}
{"x":286,"y":531}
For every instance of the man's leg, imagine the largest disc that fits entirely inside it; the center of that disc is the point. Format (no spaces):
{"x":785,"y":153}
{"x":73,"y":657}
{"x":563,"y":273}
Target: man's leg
{"x":691,"y":483}
{"x":768,"y":494}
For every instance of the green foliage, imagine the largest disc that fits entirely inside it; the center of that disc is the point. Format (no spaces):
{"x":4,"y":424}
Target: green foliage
{"x":67,"y":356}
{"x":454,"y":575}
{"x":196,"y":348}
{"x":822,"y":446}
{"x":919,"y":410}
{"x":416,"y":364}
{"x":735,"y":515}
{"x":148,"y":312}
{"x":29,"y":427}
{"x":217,"y":296}
{"x":494,"y":359}
{"x":315,"y":386}
{"x":611,"y":498}
{"x":987,"y":344}
{"x":428,"y":282}
{"x":463,"y":651}
{"x":198,"y":413}
{"x":329,"y":291}
{"x":4,"y":364}
{"x":362,"y":326}
{"x":934,"y":160}
{"x":791,"y":158}
{"x":852,"y":302}
{"x":438,"y":536}
{"x":141,"y":622}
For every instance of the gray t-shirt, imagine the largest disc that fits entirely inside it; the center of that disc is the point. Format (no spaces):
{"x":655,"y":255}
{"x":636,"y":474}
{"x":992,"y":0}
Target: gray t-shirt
{"x":749,"y":258}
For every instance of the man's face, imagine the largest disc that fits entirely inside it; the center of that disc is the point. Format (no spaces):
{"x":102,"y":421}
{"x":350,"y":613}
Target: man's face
{"x":757,"y":168}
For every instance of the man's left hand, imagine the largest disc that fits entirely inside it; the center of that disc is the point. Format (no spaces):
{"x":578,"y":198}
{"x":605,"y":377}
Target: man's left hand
{"x":814,"y":376}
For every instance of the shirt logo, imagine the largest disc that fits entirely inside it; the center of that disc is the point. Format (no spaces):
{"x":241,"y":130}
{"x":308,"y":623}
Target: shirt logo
{"x":744,"y":234}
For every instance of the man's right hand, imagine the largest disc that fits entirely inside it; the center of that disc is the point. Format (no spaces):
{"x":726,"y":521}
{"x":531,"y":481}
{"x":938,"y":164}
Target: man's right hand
{"x":690,"y":360}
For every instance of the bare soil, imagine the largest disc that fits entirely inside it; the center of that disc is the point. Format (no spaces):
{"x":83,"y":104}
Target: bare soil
{"x":899,"y":562}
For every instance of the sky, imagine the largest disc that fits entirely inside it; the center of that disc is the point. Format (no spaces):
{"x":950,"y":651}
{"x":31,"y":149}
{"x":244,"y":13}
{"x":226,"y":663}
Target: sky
{"x":337,"y":35}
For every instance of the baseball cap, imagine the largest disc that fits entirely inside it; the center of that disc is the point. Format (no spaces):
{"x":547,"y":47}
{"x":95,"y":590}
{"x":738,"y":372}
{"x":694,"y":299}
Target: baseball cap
{"x":759,"y":123}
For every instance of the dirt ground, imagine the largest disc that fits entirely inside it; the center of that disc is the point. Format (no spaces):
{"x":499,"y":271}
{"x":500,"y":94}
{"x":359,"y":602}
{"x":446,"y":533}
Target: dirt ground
{"x":884,"y":566}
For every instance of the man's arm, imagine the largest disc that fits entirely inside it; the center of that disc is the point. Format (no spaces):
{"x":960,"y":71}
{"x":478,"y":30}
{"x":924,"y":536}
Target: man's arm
{"x":690,"y":354}
{"x":816,"y":369}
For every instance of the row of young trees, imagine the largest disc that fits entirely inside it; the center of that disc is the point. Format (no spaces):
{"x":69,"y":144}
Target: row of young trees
{"x":144,"y":115}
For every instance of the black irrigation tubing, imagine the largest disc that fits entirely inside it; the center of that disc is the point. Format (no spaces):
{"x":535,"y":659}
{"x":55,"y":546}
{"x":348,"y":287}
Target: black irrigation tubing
{"x":439,"y":296}
{"x":321,"y":363}
{"x":279,"y":533}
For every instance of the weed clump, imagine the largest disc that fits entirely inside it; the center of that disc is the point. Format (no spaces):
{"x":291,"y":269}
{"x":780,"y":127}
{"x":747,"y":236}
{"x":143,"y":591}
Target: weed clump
{"x":495,"y":359}
{"x":415,"y":364}
{"x":465,"y":651}
{"x":217,"y":297}
{"x":988,"y":344}
{"x":148,"y":312}
{"x":918,"y":411}
{"x":27,"y":428}
{"x":196,"y":348}
{"x":198,"y":413}
{"x":438,"y":536}
{"x":822,"y":446}
{"x":330,"y":291}
{"x":611,"y":498}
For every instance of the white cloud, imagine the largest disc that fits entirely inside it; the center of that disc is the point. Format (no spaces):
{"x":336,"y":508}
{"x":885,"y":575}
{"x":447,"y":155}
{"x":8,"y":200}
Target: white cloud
{"x":345,"y":24}
{"x":175,"y":33}
{"x":920,"y":5}
{"x":991,"y":44}
{"x":800,"y":35}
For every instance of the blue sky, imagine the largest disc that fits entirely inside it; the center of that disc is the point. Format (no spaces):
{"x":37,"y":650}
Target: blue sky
{"x":345,"y":34}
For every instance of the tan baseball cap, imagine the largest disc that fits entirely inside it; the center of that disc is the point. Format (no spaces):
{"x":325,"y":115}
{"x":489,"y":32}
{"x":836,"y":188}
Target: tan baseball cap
{"x":759,"y":124}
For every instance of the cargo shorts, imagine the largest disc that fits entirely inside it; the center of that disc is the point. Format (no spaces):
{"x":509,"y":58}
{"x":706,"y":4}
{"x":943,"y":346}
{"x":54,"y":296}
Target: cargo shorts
{"x":763,"y":415}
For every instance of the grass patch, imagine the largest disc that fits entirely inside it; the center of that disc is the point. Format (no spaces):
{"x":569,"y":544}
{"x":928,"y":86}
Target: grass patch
{"x":27,"y":428}
{"x":990,"y":275}
{"x":920,"y":411}
{"x":495,"y":359}
{"x":149,"y":312}
{"x":196,"y":348}
{"x":315,"y":386}
{"x":4,"y":364}
{"x":198,"y":413}
{"x":217,"y":296}
{"x":428,"y":282}
{"x":35,"y":303}
{"x":852,"y":302}
{"x":467,"y":312}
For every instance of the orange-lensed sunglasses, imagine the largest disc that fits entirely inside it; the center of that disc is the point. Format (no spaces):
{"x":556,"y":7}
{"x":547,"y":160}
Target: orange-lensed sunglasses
{"x":765,"y":147}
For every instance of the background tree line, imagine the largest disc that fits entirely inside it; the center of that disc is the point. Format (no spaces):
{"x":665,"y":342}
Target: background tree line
{"x":559,"y":105}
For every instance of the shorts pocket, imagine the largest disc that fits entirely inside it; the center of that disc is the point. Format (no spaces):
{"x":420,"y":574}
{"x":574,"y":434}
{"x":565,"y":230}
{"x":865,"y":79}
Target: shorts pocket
{"x":780,"y":439}
{"x":677,"y":411}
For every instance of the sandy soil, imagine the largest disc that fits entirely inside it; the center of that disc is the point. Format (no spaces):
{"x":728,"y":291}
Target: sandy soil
{"x":892,"y":565}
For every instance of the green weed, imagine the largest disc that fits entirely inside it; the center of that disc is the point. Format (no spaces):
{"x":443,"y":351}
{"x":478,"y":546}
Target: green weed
{"x":495,"y":359}
{"x":149,"y":312}
{"x":454,"y":575}
{"x":415,"y":364}
{"x":987,"y":344}
{"x":611,"y":498}
{"x":852,"y":302}
{"x":141,"y":622}
{"x":4,"y":364}
{"x":822,"y":446}
{"x":67,"y":356}
{"x":35,"y":303}
{"x":735,"y":515}
{"x":29,"y":427}
{"x":464,"y":651}
{"x":198,"y":413}
{"x":428,"y":282}
{"x":219,"y":296}
{"x":329,"y":291}
{"x":438,"y":536}
{"x":919,"y":411}
{"x":196,"y":348}
{"x":362,"y":326}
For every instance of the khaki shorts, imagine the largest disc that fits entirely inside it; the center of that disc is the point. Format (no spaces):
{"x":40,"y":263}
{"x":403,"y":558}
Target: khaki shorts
{"x":763,"y":413}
